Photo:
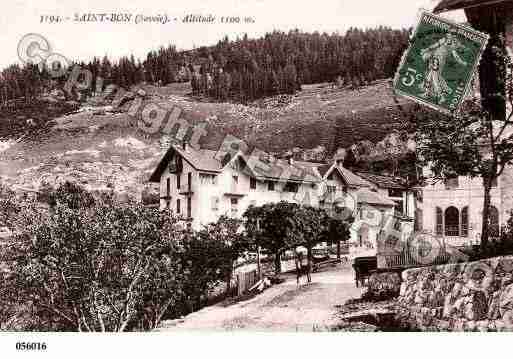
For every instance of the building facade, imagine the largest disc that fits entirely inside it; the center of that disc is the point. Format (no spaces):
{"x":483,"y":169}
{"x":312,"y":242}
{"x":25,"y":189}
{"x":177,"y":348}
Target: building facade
{"x":201,"y":185}
{"x":452,"y":209}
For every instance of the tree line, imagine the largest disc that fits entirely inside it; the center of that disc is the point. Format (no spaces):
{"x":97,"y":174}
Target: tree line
{"x":279,"y":62}
{"x":237,"y":70}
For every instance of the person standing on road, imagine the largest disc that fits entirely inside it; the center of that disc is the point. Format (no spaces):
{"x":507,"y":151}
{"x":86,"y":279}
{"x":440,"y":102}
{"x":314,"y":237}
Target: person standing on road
{"x":302,"y":266}
{"x":307,"y":269}
{"x":299,"y":270}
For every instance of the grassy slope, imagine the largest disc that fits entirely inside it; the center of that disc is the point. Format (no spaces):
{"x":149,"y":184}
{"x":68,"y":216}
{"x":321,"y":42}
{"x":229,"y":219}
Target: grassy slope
{"x":94,"y":150}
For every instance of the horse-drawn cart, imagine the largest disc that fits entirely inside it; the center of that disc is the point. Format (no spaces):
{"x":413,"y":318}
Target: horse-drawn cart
{"x":363,"y":268}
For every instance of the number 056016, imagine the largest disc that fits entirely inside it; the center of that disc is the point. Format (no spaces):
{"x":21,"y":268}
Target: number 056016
{"x":30,"y":346}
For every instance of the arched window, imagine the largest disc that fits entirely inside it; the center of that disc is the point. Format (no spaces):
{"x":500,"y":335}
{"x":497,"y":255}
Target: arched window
{"x":439,"y":221}
{"x":417,"y":224}
{"x":452,"y":222}
{"x":464,"y":222}
{"x":494,"y":222}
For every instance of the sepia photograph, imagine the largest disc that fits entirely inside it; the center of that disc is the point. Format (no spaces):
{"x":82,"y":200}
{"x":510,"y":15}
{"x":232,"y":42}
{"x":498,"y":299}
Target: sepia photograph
{"x":254,"y":167}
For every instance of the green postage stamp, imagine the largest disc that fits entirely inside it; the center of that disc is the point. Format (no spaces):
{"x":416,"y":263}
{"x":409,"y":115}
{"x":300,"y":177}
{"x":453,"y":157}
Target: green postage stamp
{"x":437,"y":68}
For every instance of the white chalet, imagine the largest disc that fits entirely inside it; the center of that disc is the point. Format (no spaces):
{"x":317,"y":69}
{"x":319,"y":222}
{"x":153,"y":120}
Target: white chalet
{"x":200,"y":185}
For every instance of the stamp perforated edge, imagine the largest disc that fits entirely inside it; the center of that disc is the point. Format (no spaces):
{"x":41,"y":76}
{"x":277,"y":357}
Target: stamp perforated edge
{"x":468,"y":87}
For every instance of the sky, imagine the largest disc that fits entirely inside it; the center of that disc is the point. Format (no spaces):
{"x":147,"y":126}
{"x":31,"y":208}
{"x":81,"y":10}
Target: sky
{"x":82,"y":41}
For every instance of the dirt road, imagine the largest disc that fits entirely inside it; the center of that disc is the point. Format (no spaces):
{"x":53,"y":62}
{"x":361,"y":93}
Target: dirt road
{"x":282,"y":307}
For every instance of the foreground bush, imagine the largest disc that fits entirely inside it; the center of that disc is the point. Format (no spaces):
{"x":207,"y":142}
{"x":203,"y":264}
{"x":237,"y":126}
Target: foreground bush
{"x":108,"y":267}
{"x":98,"y":269}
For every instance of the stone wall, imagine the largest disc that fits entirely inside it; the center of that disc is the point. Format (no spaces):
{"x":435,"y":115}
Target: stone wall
{"x":474,"y":296}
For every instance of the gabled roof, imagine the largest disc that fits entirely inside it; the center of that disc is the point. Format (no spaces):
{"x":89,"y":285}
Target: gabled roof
{"x":364,"y":195}
{"x":447,"y":5}
{"x":283,"y":170}
{"x":212,"y":161}
{"x":201,"y":160}
{"x":349,"y":177}
{"x":323,"y":169}
{"x":383,"y":181}
{"x":352,"y":179}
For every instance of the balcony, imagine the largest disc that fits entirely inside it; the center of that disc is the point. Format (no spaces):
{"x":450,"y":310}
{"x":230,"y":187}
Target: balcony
{"x":235,"y":191}
{"x":452,"y":230}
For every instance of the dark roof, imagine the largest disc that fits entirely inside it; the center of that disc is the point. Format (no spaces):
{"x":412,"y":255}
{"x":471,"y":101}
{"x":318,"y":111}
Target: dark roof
{"x":323,"y":169}
{"x":383,"y":181}
{"x":349,"y":177}
{"x":447,"y":5}
{"x":352,"y":179}
{"x":211,"y":161}
{"x":298,"y":171}
{"x":200,"y":159}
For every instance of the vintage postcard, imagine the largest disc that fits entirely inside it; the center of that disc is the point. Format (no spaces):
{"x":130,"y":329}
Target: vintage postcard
{"x":254,"y":166}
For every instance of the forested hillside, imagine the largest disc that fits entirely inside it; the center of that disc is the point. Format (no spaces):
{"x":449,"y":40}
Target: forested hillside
{"x":238,"y":70}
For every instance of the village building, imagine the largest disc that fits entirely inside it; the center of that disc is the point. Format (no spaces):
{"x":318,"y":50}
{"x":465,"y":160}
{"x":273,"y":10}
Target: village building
{"x":198,"y":185}
{"x":396,"y":189}
{"x":201,"y":185}
{"x":452,"y":209}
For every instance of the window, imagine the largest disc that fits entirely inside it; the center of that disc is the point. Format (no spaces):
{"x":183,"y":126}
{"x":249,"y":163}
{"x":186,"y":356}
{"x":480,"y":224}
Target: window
{"x":417,"y":224}
{"x":395,"y":192}
{"x":291,"y":187}
{"x":399,"y":208}
{"x":452,"y":183}
{"x":207,"y":179}
{"x":331,"y":189}
{"x":234,"y":202}
{"x":464,"y":222}
{"x":494,"y":229}
{"x":252,"y":183}
{"x":189,"y":181}
{"x":439,"y":222}
{"x":178,"y":178}
{"x":215,"y":203}
{"x":178,"y":206}
{"x":270,"y":186}
{"x":494,"y":182}
{"x":418,"y":195}
{"x":189,"y":207}
{"x":452,"y":222}
{"x":235,"y":179}
{"x":168,"y":187}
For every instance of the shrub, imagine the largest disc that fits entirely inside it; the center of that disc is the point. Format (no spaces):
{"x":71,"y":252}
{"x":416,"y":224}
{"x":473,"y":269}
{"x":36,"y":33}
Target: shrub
{"x":382,"y":286}
{"x":495,"y":247}
{"x":105,"y":267}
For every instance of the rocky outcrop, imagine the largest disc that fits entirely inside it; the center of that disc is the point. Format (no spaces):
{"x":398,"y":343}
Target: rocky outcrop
{"x":474,"y":296}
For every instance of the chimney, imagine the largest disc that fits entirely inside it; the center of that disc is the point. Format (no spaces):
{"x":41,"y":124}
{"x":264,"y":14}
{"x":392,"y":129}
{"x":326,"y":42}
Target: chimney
{"x":339,"y":162}
{"x":185,"y":145}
